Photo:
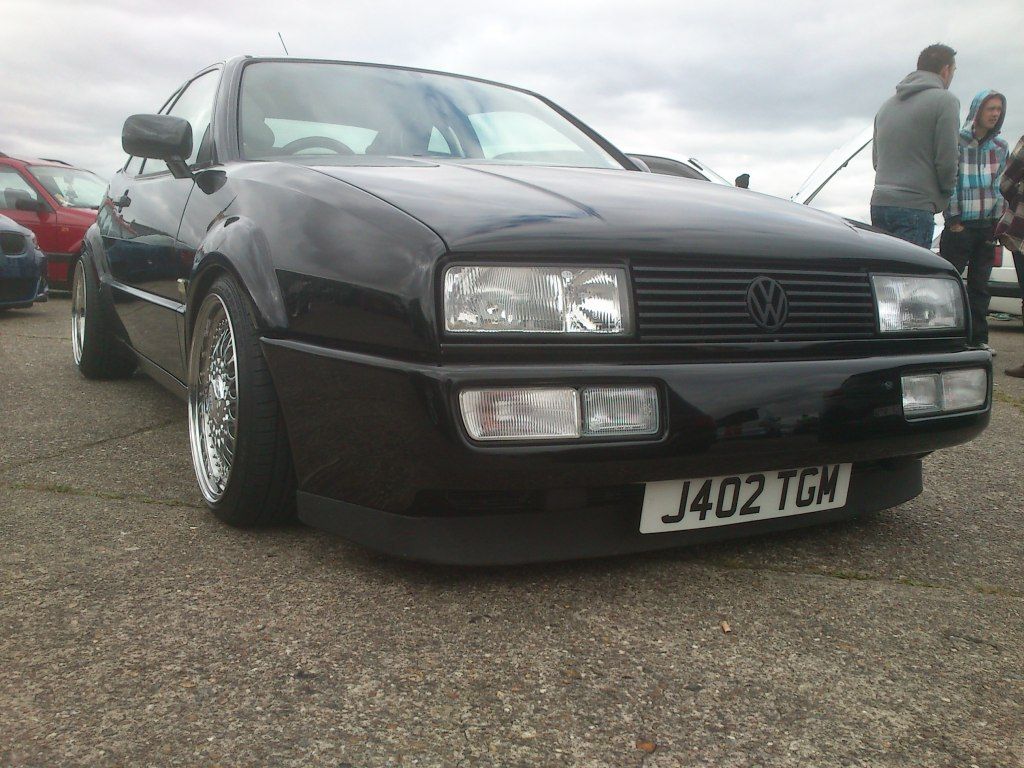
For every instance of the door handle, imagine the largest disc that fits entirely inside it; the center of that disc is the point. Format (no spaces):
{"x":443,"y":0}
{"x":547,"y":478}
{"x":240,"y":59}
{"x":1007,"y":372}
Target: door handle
{"x":124,"y":202}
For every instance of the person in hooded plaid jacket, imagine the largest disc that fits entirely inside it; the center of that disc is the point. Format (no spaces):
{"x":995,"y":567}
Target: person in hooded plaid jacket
{"x":976,"y":205}
{"x":1010,"y":229}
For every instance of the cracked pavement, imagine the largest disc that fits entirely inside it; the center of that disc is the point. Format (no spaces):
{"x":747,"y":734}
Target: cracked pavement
{"x":137,"y":630}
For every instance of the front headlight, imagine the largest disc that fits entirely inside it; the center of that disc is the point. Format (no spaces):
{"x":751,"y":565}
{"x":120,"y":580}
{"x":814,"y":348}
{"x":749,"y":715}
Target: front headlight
{"x":536,"y":299}
{"x":907,"y":303}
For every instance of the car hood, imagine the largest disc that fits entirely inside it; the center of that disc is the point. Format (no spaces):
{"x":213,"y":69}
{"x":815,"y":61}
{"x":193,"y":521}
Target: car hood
{"x":478,"y":207}
{"x":838,"y":159}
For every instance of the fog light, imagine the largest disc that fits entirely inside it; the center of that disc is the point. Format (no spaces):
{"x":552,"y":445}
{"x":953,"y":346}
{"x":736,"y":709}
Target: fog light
{"x":922,"y":394}
{"x":620,"y":411}
{"x":535,"y":413}
{"x":965,"y":389}
{"x":947,"y":392}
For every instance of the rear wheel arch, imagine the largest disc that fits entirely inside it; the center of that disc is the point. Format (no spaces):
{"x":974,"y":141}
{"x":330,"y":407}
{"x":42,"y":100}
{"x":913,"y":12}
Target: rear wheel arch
{"x":98,"y":351}
{"x":77,"y":253}
{"x":92,"y":254}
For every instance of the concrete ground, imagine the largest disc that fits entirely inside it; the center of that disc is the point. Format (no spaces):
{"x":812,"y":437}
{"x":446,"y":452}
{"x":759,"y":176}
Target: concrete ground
{"x":137,"y":630}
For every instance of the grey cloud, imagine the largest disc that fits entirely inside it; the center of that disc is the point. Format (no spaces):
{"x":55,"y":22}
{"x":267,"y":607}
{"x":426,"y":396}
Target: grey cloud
{"x":768,"y":88}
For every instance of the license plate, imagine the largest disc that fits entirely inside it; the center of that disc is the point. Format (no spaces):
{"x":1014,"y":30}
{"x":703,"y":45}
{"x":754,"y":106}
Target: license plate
{"x":707,"y":502}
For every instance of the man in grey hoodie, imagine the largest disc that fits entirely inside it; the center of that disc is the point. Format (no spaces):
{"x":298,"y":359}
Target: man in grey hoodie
{"x":915,"y":151}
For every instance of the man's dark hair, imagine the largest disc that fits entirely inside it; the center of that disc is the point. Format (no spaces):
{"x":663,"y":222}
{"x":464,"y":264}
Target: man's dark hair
{"x":935,"y":57}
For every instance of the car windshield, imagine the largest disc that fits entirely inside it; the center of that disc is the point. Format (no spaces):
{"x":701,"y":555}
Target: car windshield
{"x":300,"y":108}
{"x":71,"y":187}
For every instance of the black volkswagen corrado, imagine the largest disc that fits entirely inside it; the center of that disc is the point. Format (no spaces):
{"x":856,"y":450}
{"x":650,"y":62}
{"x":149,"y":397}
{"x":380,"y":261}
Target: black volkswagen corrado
{"x":444,"y":318}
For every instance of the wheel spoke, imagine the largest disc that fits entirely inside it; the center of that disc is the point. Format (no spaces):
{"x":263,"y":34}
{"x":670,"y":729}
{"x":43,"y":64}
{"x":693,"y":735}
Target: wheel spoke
{"x":78,"y":307}
{"x":213,"y":398}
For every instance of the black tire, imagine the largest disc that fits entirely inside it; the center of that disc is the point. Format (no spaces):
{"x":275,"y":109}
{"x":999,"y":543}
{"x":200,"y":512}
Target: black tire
{"x":95,"y":346}
{"x":259,"y":485}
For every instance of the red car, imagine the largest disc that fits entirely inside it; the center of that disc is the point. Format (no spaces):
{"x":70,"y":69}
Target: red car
{"x":57,"y":202}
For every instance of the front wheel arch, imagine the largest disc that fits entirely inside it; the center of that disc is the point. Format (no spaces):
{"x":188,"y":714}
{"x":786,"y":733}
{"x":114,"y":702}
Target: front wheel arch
{"x":238,"y":246}
{"x":259,"y":485}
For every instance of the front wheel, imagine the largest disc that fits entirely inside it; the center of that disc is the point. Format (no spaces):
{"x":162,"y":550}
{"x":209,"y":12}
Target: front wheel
{"x":239,"y":447}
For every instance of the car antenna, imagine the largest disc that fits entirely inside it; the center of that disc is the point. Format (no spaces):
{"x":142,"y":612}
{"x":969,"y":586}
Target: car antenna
{"x":283,"y":45}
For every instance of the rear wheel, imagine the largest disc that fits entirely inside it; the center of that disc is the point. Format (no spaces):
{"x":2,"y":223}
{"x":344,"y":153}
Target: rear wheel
{"x":97,"y":351}
{"x":239,"y":447}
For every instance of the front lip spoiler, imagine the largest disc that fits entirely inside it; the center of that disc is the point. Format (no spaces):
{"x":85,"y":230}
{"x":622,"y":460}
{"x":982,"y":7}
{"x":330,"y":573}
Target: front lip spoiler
{"x":508,"y":539}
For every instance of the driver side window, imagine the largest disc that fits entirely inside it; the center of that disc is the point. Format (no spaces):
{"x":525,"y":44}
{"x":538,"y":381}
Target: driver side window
{"x":195,"y":105}
{"x":134,"y":166}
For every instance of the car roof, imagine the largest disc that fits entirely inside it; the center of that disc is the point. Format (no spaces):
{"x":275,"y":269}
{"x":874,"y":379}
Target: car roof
{"x":26,"y":161}
{"x":40,"y":162}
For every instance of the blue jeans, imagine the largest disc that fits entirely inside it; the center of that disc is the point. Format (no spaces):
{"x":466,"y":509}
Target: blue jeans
{"x":910,"y":224}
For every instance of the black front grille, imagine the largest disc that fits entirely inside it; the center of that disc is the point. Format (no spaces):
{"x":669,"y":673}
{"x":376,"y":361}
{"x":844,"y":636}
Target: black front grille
{"x":682,"y":303}
{"x":18,"y":289}
{"x":12,"y":243}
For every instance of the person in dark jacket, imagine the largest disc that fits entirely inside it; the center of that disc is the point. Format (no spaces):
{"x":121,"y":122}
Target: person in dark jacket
{"x":915,"y":149}
{"x":1010,"y":229}
{"x":976,"y":205}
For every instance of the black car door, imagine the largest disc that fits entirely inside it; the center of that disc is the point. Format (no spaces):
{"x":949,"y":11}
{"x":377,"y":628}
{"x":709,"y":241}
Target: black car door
{"x":139,"y":232}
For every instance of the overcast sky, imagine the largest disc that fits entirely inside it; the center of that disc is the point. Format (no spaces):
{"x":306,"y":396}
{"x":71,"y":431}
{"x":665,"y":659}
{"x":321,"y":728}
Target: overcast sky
{"x":768,"y":88}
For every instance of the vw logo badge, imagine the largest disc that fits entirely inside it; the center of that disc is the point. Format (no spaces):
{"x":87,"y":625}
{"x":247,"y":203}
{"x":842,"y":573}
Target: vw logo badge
{"x":767,"y":303}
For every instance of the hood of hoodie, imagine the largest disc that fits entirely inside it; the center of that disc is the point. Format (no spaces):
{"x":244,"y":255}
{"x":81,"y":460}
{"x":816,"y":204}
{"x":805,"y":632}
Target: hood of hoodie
{"x":915,"y":82}
{"x":972,"y":115}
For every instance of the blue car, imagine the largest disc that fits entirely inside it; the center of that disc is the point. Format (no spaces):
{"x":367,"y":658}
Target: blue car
{"x":22,"y":267}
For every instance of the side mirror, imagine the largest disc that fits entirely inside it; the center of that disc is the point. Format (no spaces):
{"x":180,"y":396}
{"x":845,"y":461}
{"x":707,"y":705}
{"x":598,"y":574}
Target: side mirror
{"x":23,"y":201}
{"x":161,"y":137}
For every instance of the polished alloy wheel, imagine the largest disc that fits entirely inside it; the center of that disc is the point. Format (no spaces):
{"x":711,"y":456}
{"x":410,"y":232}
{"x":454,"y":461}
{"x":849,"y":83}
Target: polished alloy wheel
{"x":78,"y":311}
{"x":213,"y":398}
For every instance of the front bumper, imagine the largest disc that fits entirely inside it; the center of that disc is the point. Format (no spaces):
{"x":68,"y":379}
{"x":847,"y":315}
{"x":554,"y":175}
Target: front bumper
{"x":22,"y":282}
{"x":376,"y":434}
